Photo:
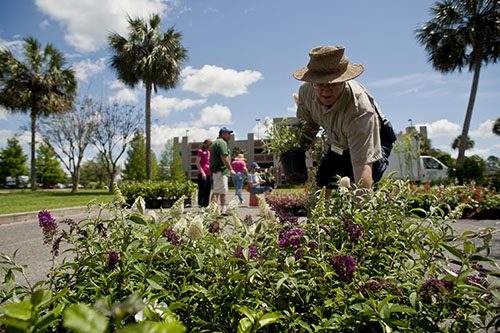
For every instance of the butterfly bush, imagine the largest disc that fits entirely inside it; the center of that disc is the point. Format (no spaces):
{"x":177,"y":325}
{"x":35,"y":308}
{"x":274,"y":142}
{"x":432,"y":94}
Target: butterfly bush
{"x":356,"y":263}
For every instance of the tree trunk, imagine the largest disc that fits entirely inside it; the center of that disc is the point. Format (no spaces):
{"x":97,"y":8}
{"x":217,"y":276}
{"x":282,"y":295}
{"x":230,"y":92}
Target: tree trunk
{"x":468,"y":115}
{"x":33,"y":149}
{"x":149,"y":169}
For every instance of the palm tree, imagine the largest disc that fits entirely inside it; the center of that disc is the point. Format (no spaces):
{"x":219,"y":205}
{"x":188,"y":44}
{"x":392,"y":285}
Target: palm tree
{"x":150,"y":56}
{"x":42,"y":85}
{"x":469,"y":143}
{"x":462,"y":33}
{"x":496,"y":127}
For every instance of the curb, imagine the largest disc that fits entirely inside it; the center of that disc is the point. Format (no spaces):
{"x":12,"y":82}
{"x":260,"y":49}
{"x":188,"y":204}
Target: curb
{"x":58,"y":213}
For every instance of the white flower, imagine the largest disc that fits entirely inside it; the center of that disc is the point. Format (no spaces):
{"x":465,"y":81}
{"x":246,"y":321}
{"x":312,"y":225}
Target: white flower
{"x":344,"y":185}
{"x":195,"y":230}
{"x":180,"y":226}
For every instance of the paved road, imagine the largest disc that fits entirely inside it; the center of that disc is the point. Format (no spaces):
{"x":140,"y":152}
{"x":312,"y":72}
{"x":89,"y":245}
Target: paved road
{"x":23,"y":234}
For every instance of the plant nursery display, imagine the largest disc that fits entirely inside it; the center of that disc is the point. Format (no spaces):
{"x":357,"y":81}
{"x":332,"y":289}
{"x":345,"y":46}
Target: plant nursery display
{"x":357,"y":263}
{"x":284,"y":141}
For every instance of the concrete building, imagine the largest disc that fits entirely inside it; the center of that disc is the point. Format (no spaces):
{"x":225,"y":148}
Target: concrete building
{"x":252,"y":147}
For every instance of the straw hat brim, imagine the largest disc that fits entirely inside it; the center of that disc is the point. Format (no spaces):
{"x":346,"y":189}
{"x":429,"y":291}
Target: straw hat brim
{"x":352,"y":71}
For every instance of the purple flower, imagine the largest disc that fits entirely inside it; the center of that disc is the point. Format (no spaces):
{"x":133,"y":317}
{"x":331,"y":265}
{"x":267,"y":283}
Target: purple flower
{"x":48,"y":225}
{"x":433,"y":287}
{"x":113,"y":259}
{"x":172,"y":236}
{"x":252,"y":252}
{"x":344,"y":266}
{"x":355,"y":231}
{"x":214,"y":227}
{"x":291,"y":238}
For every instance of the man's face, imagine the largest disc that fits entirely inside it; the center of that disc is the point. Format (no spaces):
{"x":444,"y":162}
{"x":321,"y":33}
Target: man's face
{"x":328,"y":93}
{"x":226,"y":136}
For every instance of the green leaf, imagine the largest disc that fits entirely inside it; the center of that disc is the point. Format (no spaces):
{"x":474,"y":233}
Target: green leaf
{"x":270,"y":318}
{"x":476,"y":257}
{"x":154,"y":284}
{"x":137,"y":218}
{"x":39,"y":297}
{"x":246,"y":312}
{"x":21,"y":310}
{"x":413,"y":299}
{"x":153,"y":327}
{"x":81,"y":318}
{"x":401,"y":308}
{"x":453,"y":251}
{"x":245,"y":325}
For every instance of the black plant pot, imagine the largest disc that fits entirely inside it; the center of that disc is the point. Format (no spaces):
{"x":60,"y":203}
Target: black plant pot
{"x":166,"y":203}
{"x":153,"y":203}
{"x":294,"y":166}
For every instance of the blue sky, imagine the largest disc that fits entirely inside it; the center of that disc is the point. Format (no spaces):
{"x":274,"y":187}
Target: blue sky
{"x":241,"y":58}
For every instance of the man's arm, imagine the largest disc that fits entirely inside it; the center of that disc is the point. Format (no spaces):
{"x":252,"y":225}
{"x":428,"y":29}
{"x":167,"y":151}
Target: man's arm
{"x":226,"y":162}
{"x":363,"y":175}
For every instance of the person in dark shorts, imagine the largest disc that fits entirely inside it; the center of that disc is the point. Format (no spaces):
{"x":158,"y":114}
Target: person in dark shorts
{"x":331,"y":99}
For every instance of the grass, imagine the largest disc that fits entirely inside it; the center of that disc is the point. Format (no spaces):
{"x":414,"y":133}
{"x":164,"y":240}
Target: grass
{"x":19,"y":201}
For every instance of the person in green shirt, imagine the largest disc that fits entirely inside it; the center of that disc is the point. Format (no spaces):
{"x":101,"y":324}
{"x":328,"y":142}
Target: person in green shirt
{"x":220,"y":166}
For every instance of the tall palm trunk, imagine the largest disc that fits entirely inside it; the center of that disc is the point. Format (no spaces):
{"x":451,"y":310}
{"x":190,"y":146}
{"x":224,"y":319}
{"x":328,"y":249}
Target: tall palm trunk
{"x":468,"y":114}
{"x":149,"y":170}
{"x":33,"y":147}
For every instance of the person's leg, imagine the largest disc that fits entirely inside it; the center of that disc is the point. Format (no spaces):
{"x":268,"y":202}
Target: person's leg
{"x":223,"y":192}
{"x":238,"y":183}
{"x":201,"y":191}
{"x":208,"y":188}
{"x":380,"y":166}
{"x":218,"y":187}
{"x":331,"y":166}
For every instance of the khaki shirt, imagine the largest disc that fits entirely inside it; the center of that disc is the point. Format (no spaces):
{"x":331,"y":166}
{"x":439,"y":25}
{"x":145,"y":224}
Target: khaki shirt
{"x":350,"y":123}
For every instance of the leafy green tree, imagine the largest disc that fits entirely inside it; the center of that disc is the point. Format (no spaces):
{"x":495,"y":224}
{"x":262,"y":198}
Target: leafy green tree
{"x":48,"y":170}
{"x":493,"y":171}
{"x":473,"y":169}
{"x":135,"y":166}
{"x":176,"y":171}
{"x":94,"y":171}
{"x":496,"y":127}
{"x":165,"y":161}
{"x":149,"y":56}
{"x":462,"y":33}
{"x":41,"y":85}
{"x":12,"y":160}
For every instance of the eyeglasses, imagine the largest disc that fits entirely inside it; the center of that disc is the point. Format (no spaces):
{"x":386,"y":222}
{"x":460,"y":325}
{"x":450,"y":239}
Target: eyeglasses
{"x":326,"y":86}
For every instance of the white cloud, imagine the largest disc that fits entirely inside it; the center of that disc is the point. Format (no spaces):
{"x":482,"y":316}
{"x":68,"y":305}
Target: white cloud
{"x":163,"y":106}
{"x":160,"y":134}
{"x":15,"y":46}
{"x":3,"y":113}
{"x":215,"y":115}
{"x":87,"y":67}
{"x":442,"y":128}
{"x":485,"y":130}
{"x":44,"y":24}
{"x":87,"y":23}
{"x":124,"y":95}
{"x":216,"y":80}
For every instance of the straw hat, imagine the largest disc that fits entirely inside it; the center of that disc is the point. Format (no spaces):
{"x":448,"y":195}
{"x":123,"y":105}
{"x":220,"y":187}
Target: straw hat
{"x":328,"y":64}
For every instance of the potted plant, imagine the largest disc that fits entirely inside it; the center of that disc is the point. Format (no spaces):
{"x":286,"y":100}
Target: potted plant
{"x":284,"y":141}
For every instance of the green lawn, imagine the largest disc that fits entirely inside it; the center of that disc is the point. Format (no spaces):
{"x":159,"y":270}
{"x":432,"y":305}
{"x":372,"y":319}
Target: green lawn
{"x":18,"y":201}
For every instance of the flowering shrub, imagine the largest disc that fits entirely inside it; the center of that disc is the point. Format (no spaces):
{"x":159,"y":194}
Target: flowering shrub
{"x":358,"y":263}
{"x":476,"y":201}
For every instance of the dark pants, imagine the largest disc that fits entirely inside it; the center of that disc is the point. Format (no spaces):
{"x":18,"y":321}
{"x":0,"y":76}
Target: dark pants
{"x":333,"y":164}
{"x":204,"y":186}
